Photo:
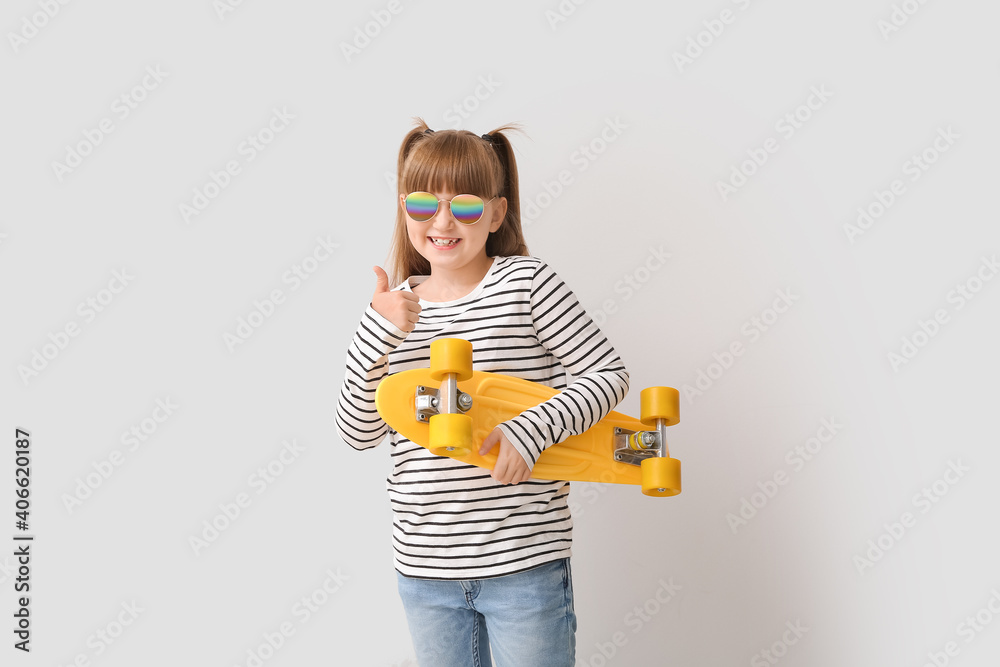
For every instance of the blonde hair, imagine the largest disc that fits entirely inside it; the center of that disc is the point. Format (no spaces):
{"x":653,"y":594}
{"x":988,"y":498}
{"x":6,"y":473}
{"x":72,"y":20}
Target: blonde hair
{"x":463,"y":162}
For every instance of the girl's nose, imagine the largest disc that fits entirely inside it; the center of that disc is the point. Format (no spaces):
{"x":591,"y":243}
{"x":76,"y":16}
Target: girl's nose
{"x":443,"y":218}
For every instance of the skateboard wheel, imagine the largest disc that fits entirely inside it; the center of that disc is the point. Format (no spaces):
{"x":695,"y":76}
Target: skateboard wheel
{"x":659,"y":403}
{"x":451,"y":355}
{"x":450,"y":434}
{"x":661,"y":476}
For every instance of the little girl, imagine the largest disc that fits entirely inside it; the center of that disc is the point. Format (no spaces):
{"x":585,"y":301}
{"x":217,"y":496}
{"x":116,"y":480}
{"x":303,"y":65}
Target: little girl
{"x":482,"y":558}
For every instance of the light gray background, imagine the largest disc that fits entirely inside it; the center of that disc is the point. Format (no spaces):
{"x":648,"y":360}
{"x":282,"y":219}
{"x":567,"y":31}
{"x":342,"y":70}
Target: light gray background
{"x":329,"y":174}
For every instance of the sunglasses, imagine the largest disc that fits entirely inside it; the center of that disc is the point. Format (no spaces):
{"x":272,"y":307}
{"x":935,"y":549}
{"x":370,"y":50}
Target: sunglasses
{"x":467,"y":209}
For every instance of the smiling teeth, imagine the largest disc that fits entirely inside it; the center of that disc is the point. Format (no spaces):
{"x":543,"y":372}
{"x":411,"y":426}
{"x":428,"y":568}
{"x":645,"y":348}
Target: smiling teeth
{"x":437,"y":242}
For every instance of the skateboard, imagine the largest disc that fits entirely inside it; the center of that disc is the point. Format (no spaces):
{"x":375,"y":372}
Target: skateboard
{"x":450,"y":409}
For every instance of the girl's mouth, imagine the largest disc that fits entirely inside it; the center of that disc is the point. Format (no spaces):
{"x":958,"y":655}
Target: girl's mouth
{"x":445,"y":244}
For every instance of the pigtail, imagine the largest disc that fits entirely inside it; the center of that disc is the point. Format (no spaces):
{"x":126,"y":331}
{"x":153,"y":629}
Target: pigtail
{"x":419,"y":132}
{"x":509,"y":239}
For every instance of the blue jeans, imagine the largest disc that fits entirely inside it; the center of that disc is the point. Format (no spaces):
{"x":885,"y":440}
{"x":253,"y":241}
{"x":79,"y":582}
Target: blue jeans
{"x":526,"y":618}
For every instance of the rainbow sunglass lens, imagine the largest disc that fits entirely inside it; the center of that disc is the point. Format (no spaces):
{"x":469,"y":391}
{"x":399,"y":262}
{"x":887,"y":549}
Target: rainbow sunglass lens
{"x":467,"y":208}
{"x":421,"y":206}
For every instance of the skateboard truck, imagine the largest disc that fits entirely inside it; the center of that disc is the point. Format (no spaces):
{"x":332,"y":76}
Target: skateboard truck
{"x":428,"y":401}
{"x":632,"y":447}
{"x":659,"y":407}
{"x":444,"y":409}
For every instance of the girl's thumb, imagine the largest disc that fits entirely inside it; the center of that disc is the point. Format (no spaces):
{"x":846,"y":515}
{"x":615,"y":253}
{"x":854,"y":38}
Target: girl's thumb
{"x":488,"y":443}
{"x":381,"y":280}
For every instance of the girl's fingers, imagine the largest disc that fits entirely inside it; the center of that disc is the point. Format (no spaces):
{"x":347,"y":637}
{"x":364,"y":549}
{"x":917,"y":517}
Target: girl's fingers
{"x":500,"y":471}
{"x":487,"y":444}
{"x":521,"y":476}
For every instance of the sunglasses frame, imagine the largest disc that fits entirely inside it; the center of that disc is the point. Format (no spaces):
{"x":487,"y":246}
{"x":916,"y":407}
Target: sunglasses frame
{"x":481,"y":215}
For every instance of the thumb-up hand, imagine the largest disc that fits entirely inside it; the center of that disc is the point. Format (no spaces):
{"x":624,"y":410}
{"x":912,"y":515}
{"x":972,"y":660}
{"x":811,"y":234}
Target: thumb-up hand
{"x":400,"y":307}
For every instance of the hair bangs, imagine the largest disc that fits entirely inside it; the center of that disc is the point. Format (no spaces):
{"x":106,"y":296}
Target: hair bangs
{"x":459,"y":161}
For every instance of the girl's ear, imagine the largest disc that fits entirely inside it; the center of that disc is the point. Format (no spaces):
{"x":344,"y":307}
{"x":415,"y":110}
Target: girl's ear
{"x":499,"y":213}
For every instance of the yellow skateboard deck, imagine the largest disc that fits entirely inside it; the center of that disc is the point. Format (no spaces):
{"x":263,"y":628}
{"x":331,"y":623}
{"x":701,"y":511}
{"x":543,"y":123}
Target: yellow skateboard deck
{"x":587,"y":457}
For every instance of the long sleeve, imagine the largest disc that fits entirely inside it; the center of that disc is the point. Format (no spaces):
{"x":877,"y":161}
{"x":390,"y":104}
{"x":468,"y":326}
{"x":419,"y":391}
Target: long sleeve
{"x":600,"y":380}
{"x":358,"y":422}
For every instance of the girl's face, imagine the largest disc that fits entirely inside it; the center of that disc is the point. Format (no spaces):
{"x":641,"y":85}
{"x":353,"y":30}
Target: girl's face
{"x":467,"y":242}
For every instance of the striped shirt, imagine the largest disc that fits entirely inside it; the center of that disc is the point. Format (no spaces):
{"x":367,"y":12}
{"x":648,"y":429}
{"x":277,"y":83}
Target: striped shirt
{"x":451,"y":520}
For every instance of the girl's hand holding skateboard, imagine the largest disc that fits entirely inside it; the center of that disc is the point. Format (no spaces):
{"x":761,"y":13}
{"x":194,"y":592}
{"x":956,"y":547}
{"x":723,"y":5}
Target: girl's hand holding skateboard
{"x":510,"y":467}
{"x":400,"y":307}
